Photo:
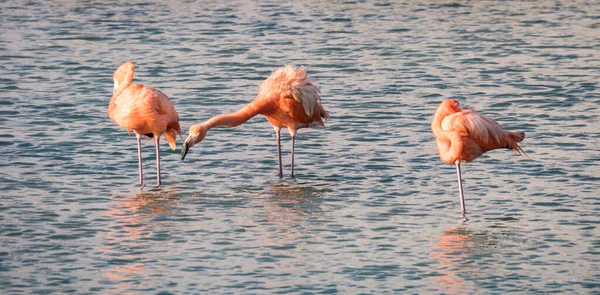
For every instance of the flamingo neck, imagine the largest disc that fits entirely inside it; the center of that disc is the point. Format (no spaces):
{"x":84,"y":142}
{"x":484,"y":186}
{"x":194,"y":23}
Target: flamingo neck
{"x":450,"y":150}
{"x":112,"y":105}
{"x":436,"y":124}
{"x":234,"y":119}
{"x":121,"y":85}
{"x":449,"y":143}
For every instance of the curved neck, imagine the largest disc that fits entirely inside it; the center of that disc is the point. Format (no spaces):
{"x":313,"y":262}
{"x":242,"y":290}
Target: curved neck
{"x":436,"y":124}
{"x":450,"y":149}
{"x":233,"y":119}
{"x":112,"y":105}
{"x":116,"y":93}
{"x":449,"y":143}
{"x":121,"y":85}
{"x":122,"y":78}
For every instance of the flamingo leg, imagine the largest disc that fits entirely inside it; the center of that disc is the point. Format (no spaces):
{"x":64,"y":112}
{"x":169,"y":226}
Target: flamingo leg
{"x":463,"y":211}
{"x":157,"y":160}
{"x":278,"y":131}
{"x":293,"y":142}
{"x":139,"y":142}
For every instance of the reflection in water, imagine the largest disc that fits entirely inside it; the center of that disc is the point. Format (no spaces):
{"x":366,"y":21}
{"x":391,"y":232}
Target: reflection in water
{"x":287,"y":206}
{"x":451,"y":251}
{"x":455,"y":250}
{"x":133,"y":220}
{"x":288,"y":202}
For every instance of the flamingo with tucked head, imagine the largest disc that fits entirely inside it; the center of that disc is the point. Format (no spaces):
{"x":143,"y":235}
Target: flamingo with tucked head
{"x":288,"y":99}
{"x":143,"y":110}
{"x":464,"y":135}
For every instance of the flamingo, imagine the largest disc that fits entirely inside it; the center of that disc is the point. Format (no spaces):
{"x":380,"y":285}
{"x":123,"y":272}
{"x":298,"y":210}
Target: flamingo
{"x":464,"y":135}
{"x":145,"y":110}
{"x":288,"y":99}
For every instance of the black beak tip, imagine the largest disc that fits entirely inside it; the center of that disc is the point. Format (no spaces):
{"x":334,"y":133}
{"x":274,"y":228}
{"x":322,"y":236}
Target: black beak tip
{"x":184,"y":151}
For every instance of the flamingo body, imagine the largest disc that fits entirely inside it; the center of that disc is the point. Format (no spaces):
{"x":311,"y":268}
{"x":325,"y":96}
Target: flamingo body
{"x":464,"y":135}
{"x":291,"y":100}
{"x":143,"y":110}
{"x":146,"y":111}
{"x":288,"y":99}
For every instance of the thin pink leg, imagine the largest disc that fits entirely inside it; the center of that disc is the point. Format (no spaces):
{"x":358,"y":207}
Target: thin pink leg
{"x":139,"y":142}
{"x":157,"y":160}
{"x":279,"y":152}
{"x":293,"y":142}
{"x":463,"y":210}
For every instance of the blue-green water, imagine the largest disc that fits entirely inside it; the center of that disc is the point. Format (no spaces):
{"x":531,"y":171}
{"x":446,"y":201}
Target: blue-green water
{"x":372,"y":210}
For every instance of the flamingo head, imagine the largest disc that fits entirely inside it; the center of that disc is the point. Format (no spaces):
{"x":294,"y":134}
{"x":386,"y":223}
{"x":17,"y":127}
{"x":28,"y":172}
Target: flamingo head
{"x":450,"y":106}
{"x":123,"y":76}
{"x":196,"y":134}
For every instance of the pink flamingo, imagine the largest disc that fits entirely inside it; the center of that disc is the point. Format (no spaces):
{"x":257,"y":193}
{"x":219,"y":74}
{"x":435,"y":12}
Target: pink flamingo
{"x":146,"y":111}
{"x":288,"y":99}
{"x":464,"y":135}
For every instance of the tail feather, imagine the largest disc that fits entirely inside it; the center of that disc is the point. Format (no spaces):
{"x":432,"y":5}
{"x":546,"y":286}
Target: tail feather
{"x":323,"y":112}
{"x":171,"y":136}
{"x":517,"y":148}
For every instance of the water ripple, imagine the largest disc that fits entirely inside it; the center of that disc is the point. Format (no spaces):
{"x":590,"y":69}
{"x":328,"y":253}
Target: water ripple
{"x":372,"y":209}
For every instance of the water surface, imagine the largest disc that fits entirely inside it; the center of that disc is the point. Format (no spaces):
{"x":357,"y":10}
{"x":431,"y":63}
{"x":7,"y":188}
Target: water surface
{"x":372,"y":210}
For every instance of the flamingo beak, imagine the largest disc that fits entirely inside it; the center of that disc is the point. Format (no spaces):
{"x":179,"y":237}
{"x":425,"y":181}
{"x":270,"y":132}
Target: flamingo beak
{"x":189,"y":142}
{"x":184,"y":150}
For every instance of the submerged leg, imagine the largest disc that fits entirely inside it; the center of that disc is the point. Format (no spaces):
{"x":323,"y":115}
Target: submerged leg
{"x":278,"y":132}
{"x":463,"y":211}
{"x":293,"y":142}
{"x":139,"y":142}
{"x":157,"y":161}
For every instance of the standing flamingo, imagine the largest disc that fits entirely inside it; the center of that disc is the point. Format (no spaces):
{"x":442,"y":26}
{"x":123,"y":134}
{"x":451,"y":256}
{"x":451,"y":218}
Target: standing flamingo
{"x":288,"y":99}
{"x":464,"y":135}
{"x":146,"y":111}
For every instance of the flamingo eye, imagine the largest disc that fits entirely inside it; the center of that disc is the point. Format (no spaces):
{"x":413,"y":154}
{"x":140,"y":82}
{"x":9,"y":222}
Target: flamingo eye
{"x":456,"y":104}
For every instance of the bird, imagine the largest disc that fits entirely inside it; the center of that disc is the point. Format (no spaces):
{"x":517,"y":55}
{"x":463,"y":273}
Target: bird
{"x":464,"y":135}
{"x":288,"y":98}
{"x":145,"y":111}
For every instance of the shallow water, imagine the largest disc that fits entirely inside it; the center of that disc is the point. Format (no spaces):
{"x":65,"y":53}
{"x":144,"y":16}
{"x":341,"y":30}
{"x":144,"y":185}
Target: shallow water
{"x":372,"y":210}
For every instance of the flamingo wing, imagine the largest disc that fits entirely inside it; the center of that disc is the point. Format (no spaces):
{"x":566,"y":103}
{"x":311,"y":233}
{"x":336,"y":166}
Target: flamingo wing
{"x":126,"y":107}
{"x":165,"y":107}
{"x":294,"y":93}
{"x":145,"y":109}
{"x":483,"y":131}
{"x":475,"y":126}
{"x":305,"y":91}
{"x":303,"y":97}
{"x":297,"y":111}
{"x":168,"y":116}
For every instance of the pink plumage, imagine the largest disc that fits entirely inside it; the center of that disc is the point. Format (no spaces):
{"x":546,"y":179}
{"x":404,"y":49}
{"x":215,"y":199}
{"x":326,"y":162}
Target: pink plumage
{"x":464,"y":135}
{"x":143,"y":110}
{"x":288,"y":98}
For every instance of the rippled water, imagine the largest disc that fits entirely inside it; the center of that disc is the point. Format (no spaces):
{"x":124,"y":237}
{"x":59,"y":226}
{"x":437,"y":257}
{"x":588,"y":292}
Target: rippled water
{"x":372,"y":210}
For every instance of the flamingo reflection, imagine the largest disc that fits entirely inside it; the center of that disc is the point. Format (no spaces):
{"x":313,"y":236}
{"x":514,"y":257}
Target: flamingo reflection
{"x":133,"y":221}
{"x":452,"y":252}
{"x":288,"y":202}
{"x":287,"y":206}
